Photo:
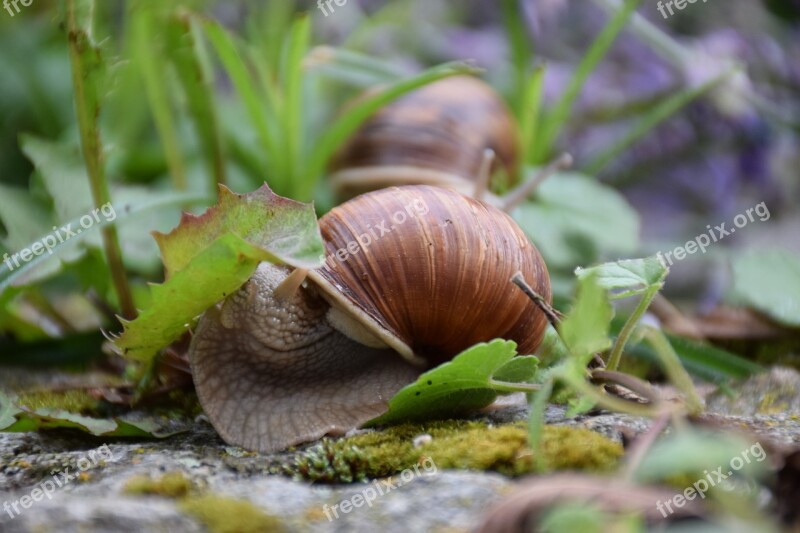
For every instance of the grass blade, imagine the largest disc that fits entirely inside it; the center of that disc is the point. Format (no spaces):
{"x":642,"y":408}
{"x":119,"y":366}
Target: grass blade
{"x":194,"y":73}
{"x":521,"y":51}
{"x":292,"y":81}
{"x":652,"y":119}
{"x":242,"y":79}
{"x":146,"y":53}
{"x":530,"y":112}
{"x":561,"y":113}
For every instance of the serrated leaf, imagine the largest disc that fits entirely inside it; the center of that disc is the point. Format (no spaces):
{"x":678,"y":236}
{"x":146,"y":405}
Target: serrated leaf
{"x":286,"y":230}
{"x":585,"y":330}
{"x":629,"y":276}
{"x":216,"y":272}
{"x":769,"y":281}
{"x":209,"y":256}
{"x":575,"y":219}
{"x":455,"y":387}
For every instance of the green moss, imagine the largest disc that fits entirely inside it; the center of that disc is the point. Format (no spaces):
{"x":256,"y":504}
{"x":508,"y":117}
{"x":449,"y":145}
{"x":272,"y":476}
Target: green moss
{"x":219,"y":514}
{"x":227,"y":515}
{"x":171,"y":485}
{"x":456,"y":445}
{"x":74,"y":401}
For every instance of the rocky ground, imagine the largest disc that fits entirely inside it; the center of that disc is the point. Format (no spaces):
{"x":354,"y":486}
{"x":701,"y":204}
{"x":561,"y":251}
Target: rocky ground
{"x":220,"y":488}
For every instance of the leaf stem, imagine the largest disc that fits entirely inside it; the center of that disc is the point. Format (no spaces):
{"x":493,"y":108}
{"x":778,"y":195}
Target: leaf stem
{"x":507,"y":386}
{"x":673,"y":368}
{"x":630,"y":325}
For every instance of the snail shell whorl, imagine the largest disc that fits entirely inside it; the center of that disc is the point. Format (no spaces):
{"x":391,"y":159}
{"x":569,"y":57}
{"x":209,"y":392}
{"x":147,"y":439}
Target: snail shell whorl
{"x":433,"y":268}
{"x":434,"y":135}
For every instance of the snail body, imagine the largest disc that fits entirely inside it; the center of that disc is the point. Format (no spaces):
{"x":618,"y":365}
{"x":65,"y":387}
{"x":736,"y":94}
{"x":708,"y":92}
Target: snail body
{"x":436,"y":135}
{"x":413,"y":276}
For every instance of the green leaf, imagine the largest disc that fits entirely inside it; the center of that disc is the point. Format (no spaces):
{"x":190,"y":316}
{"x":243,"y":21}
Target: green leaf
{"x":769,"y":281}
{"x":520,"y":369}
{"x":209,"y":256}
{"x":63,"y":173}
{"x":29,"y":272}
{"x":57,"y":419}
{"x":15,"y":420}
{"x":8,"y":411}
{"x":575,"y":219}
{"x":631,"y":276}
{"x":694,"y":451}
{"x":210,"y":276}
{"x":285,"y":229}
{"x":458,"y":386}
{"x":585,"y":330}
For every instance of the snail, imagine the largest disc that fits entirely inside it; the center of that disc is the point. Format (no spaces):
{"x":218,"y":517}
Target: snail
{"x":414,"y":275}
{"x":434,"y":135}
{"x":456,"y":133}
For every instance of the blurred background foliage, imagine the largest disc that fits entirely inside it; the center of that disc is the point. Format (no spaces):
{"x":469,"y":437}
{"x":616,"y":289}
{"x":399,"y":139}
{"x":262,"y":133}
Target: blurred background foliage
{"x":681,"y":123}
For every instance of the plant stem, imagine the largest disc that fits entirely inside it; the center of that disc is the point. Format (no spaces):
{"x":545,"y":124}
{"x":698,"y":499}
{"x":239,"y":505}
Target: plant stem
{"x":507,"y":386}
{"x":673,"y":368}
{"x":536,"y":421}
{"x":630,"y":325}
{"x":639,"y":386}
{"x":604,"y":400}
{"x":86,"y":64}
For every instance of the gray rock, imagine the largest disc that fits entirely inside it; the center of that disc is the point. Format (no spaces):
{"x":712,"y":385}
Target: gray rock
{"x":451,"y":500}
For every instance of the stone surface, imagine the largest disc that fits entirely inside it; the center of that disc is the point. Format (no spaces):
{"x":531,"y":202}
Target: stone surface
{"x":443,"y":501}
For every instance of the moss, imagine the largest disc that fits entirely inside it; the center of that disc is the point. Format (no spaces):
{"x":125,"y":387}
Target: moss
{"x":227,"y":515}
{"x":454,"y":444}
{"x":74,"y":401}
{"x":171,"y":485}
{"x":219,"y":514}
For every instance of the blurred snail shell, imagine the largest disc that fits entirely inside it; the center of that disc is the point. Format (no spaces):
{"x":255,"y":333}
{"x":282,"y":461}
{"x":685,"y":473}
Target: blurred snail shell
{"x":413,"y":276}
{"x":436,"y":135}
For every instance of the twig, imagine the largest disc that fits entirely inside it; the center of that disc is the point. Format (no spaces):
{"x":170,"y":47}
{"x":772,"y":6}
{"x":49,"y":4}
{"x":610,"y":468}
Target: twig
{"x":553,"y":315}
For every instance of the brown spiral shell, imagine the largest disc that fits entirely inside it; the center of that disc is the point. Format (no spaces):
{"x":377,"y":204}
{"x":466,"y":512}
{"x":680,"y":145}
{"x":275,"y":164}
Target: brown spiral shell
{"x":441,"y":131}
{"x":429,"y":269}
